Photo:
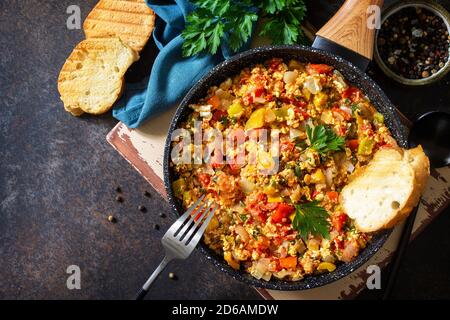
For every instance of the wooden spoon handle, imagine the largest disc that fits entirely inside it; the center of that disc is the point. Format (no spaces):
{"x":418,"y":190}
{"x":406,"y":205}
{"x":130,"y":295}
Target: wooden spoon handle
{"x":349,"y":26}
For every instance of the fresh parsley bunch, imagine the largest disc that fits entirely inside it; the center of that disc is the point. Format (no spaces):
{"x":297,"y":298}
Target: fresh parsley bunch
{"x":231,"y":21}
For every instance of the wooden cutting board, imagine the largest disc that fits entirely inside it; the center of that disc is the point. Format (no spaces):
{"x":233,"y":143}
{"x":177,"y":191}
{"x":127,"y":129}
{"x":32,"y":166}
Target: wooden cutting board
{"x":144,"y":150}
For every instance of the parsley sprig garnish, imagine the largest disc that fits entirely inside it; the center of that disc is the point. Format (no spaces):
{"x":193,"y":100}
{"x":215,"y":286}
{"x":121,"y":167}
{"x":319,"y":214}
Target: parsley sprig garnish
{"x":323,"y":139}
{"x":231,"y":21}
{"x":310,"y":218}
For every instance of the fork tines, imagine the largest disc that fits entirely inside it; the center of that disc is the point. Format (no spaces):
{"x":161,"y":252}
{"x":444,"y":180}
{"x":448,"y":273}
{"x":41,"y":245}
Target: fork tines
{"x":195,"y":220}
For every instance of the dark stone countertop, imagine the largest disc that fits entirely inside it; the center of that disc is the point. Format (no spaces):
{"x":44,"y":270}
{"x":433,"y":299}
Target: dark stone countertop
{"x":58,"y":175}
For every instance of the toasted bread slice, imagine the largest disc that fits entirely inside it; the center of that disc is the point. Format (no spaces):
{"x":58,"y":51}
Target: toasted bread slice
{"x":385,"y":191}
{"x":420,"y":164}
{"x":91,"y":80}
{"x":130,"y":20}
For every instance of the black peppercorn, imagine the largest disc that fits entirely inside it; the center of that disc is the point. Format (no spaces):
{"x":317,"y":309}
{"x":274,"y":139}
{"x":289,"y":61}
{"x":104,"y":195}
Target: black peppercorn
{"x":142,"y":208}
{"x":414,"y":43}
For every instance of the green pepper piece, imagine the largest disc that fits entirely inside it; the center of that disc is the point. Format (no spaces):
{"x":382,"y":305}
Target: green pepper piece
{"x":179,"y":187}
{"x":365,"y":146}
{"x":281,"y":113}
{"x":378,"y":117}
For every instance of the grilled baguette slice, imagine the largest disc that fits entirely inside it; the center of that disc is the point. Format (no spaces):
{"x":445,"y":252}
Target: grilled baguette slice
{"x":130,"y":20}
{"x":384,"y":192}
{"x":91,"y":80}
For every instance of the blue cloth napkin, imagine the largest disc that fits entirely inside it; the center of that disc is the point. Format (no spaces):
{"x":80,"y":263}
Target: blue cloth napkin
{"x":172,"y":75}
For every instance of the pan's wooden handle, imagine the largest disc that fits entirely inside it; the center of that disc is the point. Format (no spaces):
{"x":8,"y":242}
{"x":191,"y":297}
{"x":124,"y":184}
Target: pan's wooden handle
{"x":349,"y":27}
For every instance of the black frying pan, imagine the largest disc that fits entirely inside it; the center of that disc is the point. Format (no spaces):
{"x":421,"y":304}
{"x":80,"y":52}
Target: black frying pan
{"x":348,"y":27}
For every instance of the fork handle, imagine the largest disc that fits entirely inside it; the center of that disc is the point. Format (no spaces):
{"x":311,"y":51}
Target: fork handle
{"x":141,"y":294}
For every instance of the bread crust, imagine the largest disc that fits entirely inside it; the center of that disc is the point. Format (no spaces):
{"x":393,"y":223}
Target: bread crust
{"x":93,"y":69}
{"x":413,"y":163}
{"x":420,"y":164}
{"x":130,"y":20}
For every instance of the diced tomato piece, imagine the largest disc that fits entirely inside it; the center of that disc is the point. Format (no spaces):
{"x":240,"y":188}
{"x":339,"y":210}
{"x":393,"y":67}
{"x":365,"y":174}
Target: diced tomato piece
{"x":284,"y":99}
{"x":338,"y":221}
{"x":259,"y":91}
{"x":333,"y":196}
{"x":263,"y":242}
{"x":234,"y":168}
{"x":219,"y":114}
{"x":299,"y":103}
{"x":283,"y":211}
{"x":288,"y":262}
{"x":271,"y":206}
{"x":274,"y":63}
{"x":353,"y":144}
{"x":287,"y":146}
{"x":247,"y":99}
{"x":314,"y":194}
{"x":344,"y":114}
{"x":352,"y":93}
{"x":301,"y":110}
{"x":262,"y":198}
{"x":204,"y":179}
{"x":214,"y":101}
{"x":342,"y":130}
{"x":318,"y":68}
{"x":339,"y":243}
{"x":366,"y":128}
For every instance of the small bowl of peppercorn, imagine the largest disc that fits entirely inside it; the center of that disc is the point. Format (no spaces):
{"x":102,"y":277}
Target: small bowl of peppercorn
{"x":412,"y":45}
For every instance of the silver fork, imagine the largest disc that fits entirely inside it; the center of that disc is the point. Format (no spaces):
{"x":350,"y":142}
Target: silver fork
{"x":182,"y":237}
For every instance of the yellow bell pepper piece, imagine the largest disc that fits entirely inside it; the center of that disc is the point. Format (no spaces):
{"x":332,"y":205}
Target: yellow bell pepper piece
{"x":213,"y":224}
{"x":270,"y":190}
{"x":269,"y":116}
{"x":318,"y":176}
{"x":230,"y":260}
{"x":265,"y":160}
{"x":306,"y":94}
{"x":256,"y":119}
{"x":235,"y":109}
{"x":292,"y":216}
{"x":326,"y":266}
{"x":320,"y":99}
{"x":272,"y":199}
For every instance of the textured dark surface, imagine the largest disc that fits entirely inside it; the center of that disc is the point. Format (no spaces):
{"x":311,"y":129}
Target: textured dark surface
{"x":58,"y":175}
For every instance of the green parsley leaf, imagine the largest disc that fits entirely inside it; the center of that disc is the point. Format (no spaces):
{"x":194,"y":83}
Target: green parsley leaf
{"x":284,"y":21}
{"x":215,"y":22}
{"x":323,"y":139}
{"x":217,"y":7}
{"x":242,"y":30}
{"x":224,"y":120}
{"x":355,"y":108}
{"x":310,"y":218}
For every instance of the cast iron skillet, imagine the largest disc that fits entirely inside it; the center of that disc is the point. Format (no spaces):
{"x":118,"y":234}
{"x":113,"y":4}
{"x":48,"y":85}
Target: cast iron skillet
{"x":355,"y":75}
